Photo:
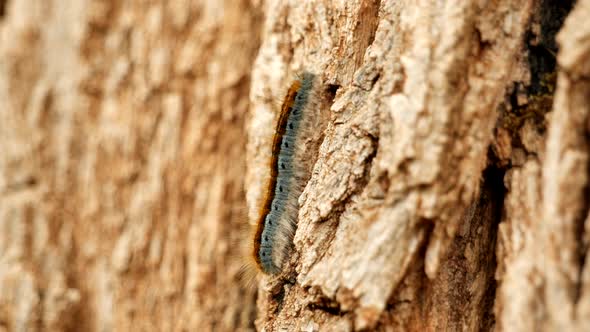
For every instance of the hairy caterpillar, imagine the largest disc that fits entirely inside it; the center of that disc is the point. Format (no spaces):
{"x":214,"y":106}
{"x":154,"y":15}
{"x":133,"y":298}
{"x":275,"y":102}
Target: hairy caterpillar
{"x":289,"y":167}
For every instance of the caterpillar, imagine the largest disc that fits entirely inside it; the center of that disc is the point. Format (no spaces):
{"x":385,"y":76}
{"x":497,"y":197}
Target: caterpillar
{"x":277,"y":218}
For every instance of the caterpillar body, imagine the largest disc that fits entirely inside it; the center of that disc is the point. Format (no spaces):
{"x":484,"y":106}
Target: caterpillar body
{"x":277,"y":219}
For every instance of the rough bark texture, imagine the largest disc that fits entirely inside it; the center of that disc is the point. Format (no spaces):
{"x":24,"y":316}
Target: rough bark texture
{"x":123,"y":152}
{"x":450,"y":190}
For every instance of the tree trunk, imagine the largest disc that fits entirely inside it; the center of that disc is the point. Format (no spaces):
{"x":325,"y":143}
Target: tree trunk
{"x":448,"y":185}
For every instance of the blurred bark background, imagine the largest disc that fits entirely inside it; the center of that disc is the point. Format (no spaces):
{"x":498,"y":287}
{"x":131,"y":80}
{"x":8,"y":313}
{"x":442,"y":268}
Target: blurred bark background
{"x":450,"y":190}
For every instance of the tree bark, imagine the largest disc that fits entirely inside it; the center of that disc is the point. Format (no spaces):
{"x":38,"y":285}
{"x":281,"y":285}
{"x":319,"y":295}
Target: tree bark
{"x":123,"y":144}
{"x":448,"y":186}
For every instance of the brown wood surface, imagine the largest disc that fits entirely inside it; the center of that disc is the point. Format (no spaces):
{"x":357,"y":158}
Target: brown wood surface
{"x":449,"y":190}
